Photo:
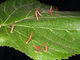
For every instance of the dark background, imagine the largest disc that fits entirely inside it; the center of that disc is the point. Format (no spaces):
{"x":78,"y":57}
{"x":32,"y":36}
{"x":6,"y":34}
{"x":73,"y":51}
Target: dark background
{"x":64,"y":5}
{"x":7,"y":53}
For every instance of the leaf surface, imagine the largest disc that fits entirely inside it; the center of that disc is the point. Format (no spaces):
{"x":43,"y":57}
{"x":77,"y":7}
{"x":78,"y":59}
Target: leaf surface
{"x":61,"y":31}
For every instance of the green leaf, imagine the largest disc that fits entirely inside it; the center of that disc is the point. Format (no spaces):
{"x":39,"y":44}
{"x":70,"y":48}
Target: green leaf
{"x":61,"y":31}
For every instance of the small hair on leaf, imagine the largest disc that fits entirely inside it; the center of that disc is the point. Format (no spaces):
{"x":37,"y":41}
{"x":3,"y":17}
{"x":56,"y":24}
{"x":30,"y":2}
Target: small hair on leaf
{"x":29,"y":38}
{"x":51,"y":11}
{"x":38,"y":49}
{"x":46,"y":47}
{"x":12,"y":28}
{"x":37,"y":14}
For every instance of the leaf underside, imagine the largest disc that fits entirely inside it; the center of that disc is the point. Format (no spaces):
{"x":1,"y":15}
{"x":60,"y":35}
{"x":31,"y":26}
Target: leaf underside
{"x":61,"y":31}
